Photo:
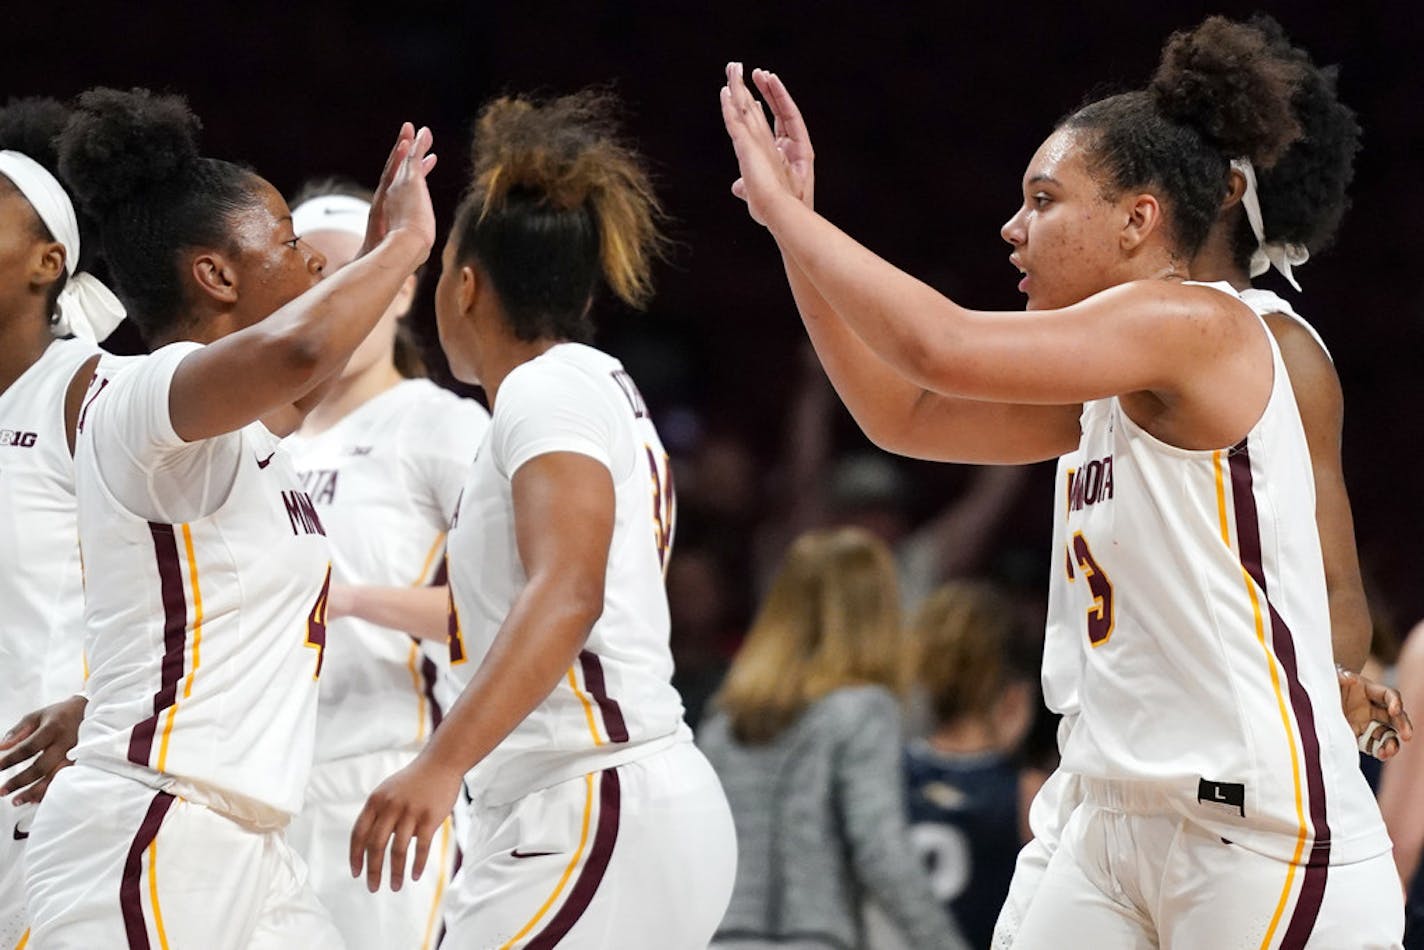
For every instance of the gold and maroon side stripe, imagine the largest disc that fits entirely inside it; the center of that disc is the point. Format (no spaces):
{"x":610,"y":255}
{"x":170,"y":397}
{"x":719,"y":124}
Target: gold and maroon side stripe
{"x":605,"y":836}
{"x":1317,"y":865}
{"x":598,"y":688}
{"x":130,"y":890}
{"x":175,"y":639}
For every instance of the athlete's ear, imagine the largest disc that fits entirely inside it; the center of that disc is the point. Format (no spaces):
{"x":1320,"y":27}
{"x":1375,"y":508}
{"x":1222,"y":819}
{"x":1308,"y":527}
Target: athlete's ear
{"x":215,"y":276}
{"x":405,"y":298}
{"x":1143,"y":217}
{"x":48,"y":265}
{"x":1235,"y":191}
{"x":472,"y":284}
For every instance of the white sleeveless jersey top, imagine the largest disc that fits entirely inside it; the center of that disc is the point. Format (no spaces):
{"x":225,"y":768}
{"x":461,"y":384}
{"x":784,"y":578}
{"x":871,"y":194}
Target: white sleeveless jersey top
{"x":205,"y":636}
{"x":386,"y":481}
{"x":1190,"y":634}
{"x":616,"y":703}
{"x":42,"y":620}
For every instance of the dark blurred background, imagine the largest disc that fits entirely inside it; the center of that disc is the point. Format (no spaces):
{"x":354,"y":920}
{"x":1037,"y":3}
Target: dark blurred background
{"x":923,"y":115}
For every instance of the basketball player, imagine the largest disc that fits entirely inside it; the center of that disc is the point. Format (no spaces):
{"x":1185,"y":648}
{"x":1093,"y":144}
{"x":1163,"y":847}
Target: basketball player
{"x":596,"y":822}
{"x":385,"y":479}
{"x":205,"y":563}
{"x":43,"y":244}
{"x":1207,"y":739}
{"x":1303,"y":199}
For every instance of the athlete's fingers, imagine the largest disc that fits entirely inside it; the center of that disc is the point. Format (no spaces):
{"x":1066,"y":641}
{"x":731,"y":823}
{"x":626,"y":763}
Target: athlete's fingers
{"x":785,"y":109}
{"x":20,"y":731}
{"x":36,"y":792}
{"x":1388,"y":747}
{"x":24,"y":779}
{"x":27,"y":748}
{"x":376,"y":841}
{"x":356,"y":850}
{"x":424,"y":836}
{"x":400,"y":848}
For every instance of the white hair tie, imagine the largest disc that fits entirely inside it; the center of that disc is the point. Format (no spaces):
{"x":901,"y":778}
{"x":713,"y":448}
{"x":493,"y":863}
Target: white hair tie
{"x":87,"y":308}
{"x":331,"y":213}
{"x":1268,"y":254}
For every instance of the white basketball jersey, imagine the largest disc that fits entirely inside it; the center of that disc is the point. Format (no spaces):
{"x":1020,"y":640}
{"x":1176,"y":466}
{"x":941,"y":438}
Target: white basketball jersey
{"x":1204,"y":632}
{"x":616,"y":702}
{"x":386,"y":480}
{"x":205,"y":636}
{"x":42,"y":620}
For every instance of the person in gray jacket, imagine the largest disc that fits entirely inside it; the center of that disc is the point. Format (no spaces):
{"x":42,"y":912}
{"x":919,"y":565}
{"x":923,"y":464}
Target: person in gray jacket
{"x":806,"y":738}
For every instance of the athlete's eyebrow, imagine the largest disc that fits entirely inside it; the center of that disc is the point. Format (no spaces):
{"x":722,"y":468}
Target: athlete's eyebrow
{"x":1042,"y":177}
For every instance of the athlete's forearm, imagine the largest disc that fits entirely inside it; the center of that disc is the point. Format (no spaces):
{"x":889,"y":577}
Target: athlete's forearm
{"x":534,"y":649}
{"x":421,"y":612}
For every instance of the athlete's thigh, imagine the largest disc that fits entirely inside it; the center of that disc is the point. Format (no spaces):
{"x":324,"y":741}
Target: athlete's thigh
{"x":115,"y":863}
{"x":291,"y":916}
{"x":1052,"y":806}
{"x":531,"y":867}
{"x":1078,"y":904}
{"x":15,"y":825}
{"x":1219,"y":894}
{"x":671,"y":875}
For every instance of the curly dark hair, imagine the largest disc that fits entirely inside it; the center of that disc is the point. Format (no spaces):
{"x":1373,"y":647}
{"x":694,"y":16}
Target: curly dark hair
{"x":559,"y":203}
{"x":132,"y":160}
{"x":1217,"y":94}
{"x":32,"y":125}
{"x":1303,"y":196}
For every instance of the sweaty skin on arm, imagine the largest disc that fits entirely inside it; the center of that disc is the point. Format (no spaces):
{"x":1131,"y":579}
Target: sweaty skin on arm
{"x":563,"y":525}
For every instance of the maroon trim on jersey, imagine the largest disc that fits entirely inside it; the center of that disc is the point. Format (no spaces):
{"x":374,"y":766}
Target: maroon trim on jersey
{"x":1248,"y":529}
{"x":604,"y":838}
{"x":130,"y":892}
{"x":442,"y":574}
{"x":429,"y":672}
{"x":612,"y":712}
{"x":175,"y":639}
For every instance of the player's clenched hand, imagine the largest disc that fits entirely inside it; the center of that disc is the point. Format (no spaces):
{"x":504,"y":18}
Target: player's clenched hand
{"x":765,"y":171}
{"x":46,"y":736}
{"x":1365,"y":702}
{"x":412,"y":803}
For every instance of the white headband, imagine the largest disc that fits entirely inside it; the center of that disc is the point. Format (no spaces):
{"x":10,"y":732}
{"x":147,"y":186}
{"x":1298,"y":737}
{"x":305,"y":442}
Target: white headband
{"x":331,"y":213}
{"x":87,"y":308}
{"x":1268,"y":254}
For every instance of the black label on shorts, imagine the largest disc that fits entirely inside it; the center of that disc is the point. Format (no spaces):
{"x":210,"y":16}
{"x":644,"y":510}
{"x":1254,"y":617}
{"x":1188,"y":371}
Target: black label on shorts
{"x":1230,"y":794}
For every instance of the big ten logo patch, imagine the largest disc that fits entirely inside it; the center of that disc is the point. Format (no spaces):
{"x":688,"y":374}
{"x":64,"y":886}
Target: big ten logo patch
{"x":20,"y":440}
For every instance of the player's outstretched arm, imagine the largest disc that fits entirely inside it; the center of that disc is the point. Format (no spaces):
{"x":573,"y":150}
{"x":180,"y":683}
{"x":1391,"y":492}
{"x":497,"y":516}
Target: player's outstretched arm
{"x":563,"y":522}
{"x":894,"y":413}
{"x":421,"y":612}
{"x":1195,"y":349}
{"x":46,"y":735}
{"x":249,"y":374}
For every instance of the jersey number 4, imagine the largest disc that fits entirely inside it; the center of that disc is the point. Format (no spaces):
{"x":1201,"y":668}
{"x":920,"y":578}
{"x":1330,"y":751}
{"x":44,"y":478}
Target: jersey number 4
{"x":1100,"y":614}
{"x":316,"y":623}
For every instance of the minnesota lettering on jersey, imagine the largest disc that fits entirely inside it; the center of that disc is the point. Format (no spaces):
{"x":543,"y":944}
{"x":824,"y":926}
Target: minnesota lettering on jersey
{"x":302,"y":513}
{"x":321,"y":484}
{"x":1090,"y":484}
{"x":630,"y":390}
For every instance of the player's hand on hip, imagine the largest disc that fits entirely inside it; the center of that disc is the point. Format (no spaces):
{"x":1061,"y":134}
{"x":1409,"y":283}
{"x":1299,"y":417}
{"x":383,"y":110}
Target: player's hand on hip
{"x":46,"y":735}
{"x":1375,"y":712}
{"x":410,"y":805}
{"x":765,"y":171}
{"x":402,"y":201}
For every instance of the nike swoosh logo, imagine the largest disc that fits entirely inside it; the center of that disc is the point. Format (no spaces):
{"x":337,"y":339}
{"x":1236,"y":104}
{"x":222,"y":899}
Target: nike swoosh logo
{"x":516,"y":853}
{"x":20,"y":835}
{"x":263,"y":463}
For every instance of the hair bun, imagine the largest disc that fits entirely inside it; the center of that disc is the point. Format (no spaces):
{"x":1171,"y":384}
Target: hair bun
{"x":120,"y":144}
{"x":1222,"y":79}
{"x":32,"y":125}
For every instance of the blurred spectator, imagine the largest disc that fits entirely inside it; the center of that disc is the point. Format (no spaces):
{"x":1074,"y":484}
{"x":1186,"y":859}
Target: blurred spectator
{"x":1401,"y":792}
{"x":697,"y":597}
{"x":968,"y":792}
{"x":806,"y":738}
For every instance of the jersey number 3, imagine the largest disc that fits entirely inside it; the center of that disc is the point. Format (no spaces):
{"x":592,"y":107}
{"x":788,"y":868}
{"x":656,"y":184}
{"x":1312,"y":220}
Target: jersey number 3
{"x":1100,"y":614}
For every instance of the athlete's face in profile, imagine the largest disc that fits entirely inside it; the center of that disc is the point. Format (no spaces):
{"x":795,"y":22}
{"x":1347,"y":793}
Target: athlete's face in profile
{"x":1066,"y":235}
{"x":273,"y":266}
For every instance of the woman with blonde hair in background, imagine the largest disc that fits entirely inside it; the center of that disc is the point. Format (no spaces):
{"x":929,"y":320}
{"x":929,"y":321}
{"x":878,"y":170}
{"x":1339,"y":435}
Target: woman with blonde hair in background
{"x":806,"y":739}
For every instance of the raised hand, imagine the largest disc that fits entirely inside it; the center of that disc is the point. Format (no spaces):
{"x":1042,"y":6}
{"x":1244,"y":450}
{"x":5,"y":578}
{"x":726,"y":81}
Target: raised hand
{"x":402,"y":201}
{"x":792,"y":139}
{"x":765,"y":172}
